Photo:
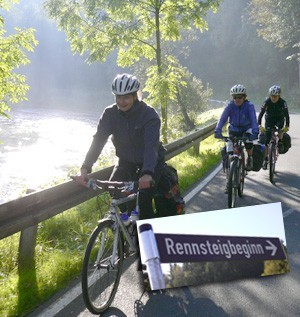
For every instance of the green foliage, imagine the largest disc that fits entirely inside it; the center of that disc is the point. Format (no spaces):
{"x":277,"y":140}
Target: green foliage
{"x":13,"y":87}
{"x":136,"y":29}
{"x":100,"y":27}
{"x":278,"y":22}
{"x":208,"y":272}
{"x":165,"y":82}
{"x":292,"y":97}
{"x":59,"y":251}
{"x":191,"y":100}
{"x":8,"y":249}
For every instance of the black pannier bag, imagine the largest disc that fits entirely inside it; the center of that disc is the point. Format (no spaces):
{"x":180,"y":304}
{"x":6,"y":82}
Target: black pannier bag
{"x":258,"y":156}
{"x":168,"y":199}
{"x":287,"y":143}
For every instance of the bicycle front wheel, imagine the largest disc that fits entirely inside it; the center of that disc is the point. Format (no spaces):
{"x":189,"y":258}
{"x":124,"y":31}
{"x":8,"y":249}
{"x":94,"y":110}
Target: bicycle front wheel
{"x":241,"y":178}
{"x":233,"y":184}
{"x":272,"y":162}
{"x":102,"y":267}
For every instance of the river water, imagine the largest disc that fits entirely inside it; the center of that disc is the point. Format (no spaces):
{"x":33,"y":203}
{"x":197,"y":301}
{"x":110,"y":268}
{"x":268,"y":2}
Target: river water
{"x":40,"y":146}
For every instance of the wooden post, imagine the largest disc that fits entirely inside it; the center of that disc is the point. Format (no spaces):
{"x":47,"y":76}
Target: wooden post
{"x":27,"y":245}
{"x":196,"y":148}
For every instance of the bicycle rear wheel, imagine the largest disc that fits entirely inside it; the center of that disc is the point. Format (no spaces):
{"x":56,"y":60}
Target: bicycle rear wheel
{"x":241,"y":178}
{"x":101,"y":277}
{"x":272,"y":162}
{"x":233,"y":184}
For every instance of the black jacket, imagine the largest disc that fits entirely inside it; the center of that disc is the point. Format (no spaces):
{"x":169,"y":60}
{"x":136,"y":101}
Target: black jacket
{"x":274,"y":111}
{"x":135,"y":135}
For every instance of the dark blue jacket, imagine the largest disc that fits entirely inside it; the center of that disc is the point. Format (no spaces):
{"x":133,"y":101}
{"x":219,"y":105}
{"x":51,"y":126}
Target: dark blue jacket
{"x":135,"y":135}
{"x":241,"y":118}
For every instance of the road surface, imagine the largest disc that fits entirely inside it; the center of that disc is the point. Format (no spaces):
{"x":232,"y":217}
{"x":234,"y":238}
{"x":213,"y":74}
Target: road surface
{"x":269,"y":296}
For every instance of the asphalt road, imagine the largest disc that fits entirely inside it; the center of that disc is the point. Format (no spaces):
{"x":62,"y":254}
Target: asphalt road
{"x":269,"y":296}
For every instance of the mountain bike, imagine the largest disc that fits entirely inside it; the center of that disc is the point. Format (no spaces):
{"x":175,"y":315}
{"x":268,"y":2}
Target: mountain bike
{"x":104,"y":254}
{"x":273,"y":152}
{"x":235,"y":168}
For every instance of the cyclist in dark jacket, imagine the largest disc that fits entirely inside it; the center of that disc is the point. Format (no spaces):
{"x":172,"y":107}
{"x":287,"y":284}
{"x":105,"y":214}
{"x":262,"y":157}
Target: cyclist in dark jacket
{"x":135,"y":130}
{"x":242,"y":119}
{"x":276,"y":113}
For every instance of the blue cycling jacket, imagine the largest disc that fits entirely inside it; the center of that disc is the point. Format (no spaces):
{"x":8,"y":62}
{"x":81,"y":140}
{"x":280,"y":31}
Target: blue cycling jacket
{"x":241,"y":118}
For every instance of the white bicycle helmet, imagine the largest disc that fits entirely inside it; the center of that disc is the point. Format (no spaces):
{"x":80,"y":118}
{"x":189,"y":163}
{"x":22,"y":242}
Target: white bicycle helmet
{"x":125,"y":84}
{"x":238,"y":90}
{"x":275,"y":91}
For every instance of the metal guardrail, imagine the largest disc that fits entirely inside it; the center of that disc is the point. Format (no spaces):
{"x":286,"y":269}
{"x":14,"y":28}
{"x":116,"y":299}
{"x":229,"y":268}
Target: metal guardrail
{"x":28,"y":211}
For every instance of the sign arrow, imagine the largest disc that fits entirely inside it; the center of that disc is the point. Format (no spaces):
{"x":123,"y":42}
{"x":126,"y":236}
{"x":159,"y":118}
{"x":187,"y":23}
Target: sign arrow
{"x":271,"y":247}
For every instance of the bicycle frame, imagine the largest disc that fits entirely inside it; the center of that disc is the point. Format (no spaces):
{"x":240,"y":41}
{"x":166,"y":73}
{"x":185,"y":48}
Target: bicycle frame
{"x":104,"y":253}
{"x":115,"y":217}
{"x":274,"y":140}
{"x":235,"y":169}
{"x":238,"y":152}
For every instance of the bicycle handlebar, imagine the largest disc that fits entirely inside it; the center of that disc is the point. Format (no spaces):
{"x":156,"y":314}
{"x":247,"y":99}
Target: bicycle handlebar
{"x":130,"y":186}
{"x":115,"y":188}
{"x":235,"y":138}
{"x":273,"y":129}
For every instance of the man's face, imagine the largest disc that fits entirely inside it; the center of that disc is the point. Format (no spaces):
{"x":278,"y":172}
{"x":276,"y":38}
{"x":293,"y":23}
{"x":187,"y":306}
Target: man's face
{"x":125,"y":102}
{"x":239,"y":99}
{"x":274,"y":99}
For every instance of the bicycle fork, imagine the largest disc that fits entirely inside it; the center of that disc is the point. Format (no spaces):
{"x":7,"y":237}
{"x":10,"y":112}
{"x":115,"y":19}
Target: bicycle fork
{"x":111,"y":264}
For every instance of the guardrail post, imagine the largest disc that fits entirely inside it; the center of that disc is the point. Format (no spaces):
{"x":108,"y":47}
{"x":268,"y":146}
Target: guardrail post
{"x":27,"y":245}
{"x":196,"y":148}
{"x":26,"y":264}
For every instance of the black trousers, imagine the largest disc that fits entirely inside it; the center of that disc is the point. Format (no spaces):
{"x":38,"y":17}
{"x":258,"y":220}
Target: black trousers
{"x":127,"y":171}
{"x":269,"y":124}
{"x":248,"y":145}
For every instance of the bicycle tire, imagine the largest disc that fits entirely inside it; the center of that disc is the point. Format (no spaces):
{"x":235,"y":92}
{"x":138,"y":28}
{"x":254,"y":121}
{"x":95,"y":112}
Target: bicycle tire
{"x":100,"y":279}
{"x":232,"y":184}
{"x":272,"y":162}
{"x":241,"y":178}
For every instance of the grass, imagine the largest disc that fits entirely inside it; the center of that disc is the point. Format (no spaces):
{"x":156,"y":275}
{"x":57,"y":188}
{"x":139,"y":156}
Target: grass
{"x":62,"y":239}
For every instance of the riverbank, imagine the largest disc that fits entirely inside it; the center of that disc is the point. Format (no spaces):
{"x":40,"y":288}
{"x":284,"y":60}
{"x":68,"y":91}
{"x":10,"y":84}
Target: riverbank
{"x":39,"y":146}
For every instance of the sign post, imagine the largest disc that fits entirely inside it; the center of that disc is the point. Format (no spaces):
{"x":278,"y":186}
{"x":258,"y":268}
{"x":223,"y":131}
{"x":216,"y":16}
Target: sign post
{"x":150,"y":253}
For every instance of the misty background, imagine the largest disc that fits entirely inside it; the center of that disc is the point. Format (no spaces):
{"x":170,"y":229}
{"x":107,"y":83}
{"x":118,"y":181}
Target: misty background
{"x":229,"y":52}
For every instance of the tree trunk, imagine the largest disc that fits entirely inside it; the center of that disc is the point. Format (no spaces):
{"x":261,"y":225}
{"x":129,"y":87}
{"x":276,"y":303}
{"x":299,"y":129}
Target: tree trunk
{"x":189,"y":124}
{"x":164,"y":115}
